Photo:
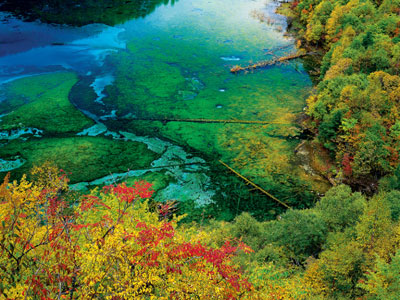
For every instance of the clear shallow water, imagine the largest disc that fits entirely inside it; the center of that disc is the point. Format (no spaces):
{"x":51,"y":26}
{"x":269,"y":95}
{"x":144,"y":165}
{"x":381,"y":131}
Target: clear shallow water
{"x":174,"y":63}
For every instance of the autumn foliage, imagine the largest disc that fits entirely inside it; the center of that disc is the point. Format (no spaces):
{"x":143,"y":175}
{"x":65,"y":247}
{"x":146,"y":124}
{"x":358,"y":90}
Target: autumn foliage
{"x":104,"y":245}
{"x":110,"y":244}
{"x":354,"y":109}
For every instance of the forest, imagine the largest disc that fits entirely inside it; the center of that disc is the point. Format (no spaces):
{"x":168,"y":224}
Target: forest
{"x":354,"y":109}
{"x":117,"y":242}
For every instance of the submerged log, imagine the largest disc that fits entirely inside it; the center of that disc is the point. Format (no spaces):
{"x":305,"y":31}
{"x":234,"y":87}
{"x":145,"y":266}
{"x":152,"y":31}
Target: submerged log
{"x":166,"y":120}
{"x":266,"y":63}
{"x":248,"y":181}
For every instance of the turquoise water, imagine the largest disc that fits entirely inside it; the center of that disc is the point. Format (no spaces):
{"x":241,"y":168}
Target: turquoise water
{"x":174,"y":64}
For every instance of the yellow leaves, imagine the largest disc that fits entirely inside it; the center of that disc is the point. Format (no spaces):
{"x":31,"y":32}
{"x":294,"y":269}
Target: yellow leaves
{"x":278,"y":283}
{"x":339,"y":68}
{"x":384,"y":80}
{"x":4,"y":187}
{"x":311,"y":102}
{"x":314,"y":31}
{"x":107,"y":248}
{"x":375,"y":231}
{"x":15,"y":293}
{"x":313,"y":278}
{"x":48,"y":176}
{"x":114,"y":268}
{"x":347,"y":94}
{"x":334,"y":21}
{"x":395,"y":95}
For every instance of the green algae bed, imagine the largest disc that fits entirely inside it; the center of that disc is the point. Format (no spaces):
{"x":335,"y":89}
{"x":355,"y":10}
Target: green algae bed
{"x":85,"y":158}
{"x":165,"y":86}
{"x":42,"y":102}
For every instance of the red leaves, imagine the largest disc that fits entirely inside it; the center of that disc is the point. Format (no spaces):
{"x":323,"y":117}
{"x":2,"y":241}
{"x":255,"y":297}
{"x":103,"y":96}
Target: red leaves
{"x":164,"y":209}
{"x":175,"y":269}
{"x":63,"y":176}
{"x":219,"y":258}
{"x":56,"y":205}
{"x":191,"y":254}
{"x":346,"y":162}
{"x":149,"y":246}
{"x":38,"y":287}
{"x":89,"y":202}
{"x":141,"y":190}
{"x":141,"y":225}
{"x":78,"y":227}
{"x":196,"y":256}
{"x":28,"y":246}
{"x":152,"y":235}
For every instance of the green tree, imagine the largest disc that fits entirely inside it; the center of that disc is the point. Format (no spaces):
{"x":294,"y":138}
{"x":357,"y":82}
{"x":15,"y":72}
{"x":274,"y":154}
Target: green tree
{"x":371,"y":158}
{"x":301,"y":232}
{"x":341,"y":208}
{"x":383,"y":281}
{"x":393,"y":199}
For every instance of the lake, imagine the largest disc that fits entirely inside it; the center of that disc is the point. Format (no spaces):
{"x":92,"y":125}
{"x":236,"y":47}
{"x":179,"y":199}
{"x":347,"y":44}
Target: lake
{"x":149,"y":95}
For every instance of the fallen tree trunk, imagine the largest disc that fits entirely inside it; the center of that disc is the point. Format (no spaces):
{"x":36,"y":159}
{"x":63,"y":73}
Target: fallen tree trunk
{"x":266,"y":63}
{"x":248,"y":181}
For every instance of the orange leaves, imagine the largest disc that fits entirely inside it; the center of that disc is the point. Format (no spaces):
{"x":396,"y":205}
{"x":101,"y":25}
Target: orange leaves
{"x":294,"y":4}
{"x":246,"y":249}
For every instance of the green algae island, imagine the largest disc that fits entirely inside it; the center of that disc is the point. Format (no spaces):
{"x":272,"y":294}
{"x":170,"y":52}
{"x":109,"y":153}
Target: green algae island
{"x":267,"y":132}
{"x":42,"y":102}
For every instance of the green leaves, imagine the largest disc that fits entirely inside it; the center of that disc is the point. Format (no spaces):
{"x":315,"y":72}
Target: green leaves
{"x":301,"y":232}
{"x":383,"y":281}
{"x":341,"y":208}
{"x":359,"y":37}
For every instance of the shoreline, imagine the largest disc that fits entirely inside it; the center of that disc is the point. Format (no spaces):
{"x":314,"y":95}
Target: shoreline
{"x":306,"y":153}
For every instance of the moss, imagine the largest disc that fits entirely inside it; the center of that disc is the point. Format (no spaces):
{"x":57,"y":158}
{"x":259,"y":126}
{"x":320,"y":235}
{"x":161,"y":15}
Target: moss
{"x":86,"y":158}
{"x":43,"y":105}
